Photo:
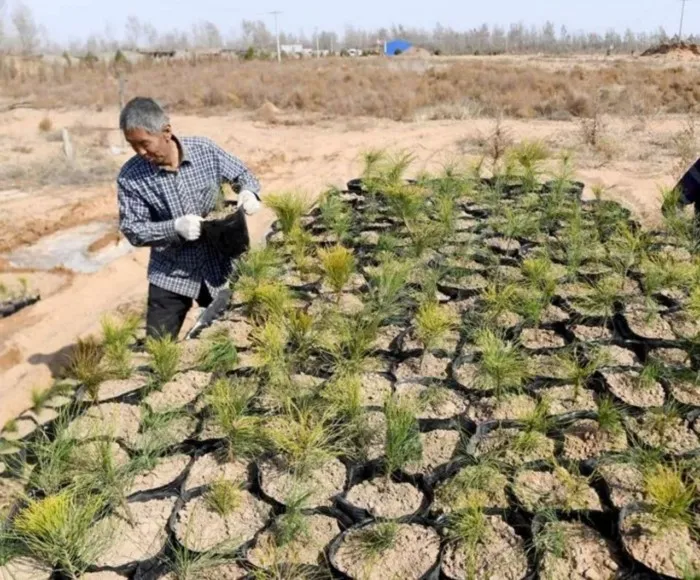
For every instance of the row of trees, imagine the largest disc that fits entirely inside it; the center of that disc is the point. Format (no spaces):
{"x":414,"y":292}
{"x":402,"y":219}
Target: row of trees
{"x":26,"y":36}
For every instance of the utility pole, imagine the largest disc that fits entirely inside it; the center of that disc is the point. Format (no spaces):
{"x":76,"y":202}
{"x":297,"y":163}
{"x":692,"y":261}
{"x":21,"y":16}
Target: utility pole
{"x":277,"y":34}
{"x":680,"y":28}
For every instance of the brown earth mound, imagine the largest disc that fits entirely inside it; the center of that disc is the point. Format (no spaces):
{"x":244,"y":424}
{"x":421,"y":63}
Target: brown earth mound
{"x":675,"y":49}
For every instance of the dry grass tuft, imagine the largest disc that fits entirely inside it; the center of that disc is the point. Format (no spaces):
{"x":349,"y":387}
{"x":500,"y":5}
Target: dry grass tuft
{"x":375,"y":88}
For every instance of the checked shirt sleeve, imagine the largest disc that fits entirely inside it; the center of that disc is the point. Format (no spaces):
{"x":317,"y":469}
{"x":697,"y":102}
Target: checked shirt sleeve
{"x":135,"y":221}
{"x":233,"y":170}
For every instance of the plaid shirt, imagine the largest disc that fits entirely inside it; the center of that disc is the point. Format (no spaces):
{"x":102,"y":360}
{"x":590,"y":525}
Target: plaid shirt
{"x":151,"y":198}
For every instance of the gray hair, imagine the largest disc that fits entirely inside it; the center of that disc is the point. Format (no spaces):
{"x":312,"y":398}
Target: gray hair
{"x":143,"y":113}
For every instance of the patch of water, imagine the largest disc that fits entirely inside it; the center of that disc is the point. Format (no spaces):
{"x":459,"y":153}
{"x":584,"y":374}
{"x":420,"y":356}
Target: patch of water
{"x":69,"y":249}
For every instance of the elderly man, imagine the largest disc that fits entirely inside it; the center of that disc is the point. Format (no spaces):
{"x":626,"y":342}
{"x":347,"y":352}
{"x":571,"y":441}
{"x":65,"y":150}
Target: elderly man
{"x":164,"y":192}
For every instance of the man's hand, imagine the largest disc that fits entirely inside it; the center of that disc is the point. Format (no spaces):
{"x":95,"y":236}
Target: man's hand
{"x":249,"y":202}
{"x":189,"y":227}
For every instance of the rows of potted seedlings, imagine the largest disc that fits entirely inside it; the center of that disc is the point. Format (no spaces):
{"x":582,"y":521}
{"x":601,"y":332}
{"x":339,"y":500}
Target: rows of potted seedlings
{"x":448,"y":377}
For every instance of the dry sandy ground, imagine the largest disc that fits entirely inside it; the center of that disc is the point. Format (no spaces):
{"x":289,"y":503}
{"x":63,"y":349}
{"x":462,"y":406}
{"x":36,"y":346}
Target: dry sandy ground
{"x":293,"y":154}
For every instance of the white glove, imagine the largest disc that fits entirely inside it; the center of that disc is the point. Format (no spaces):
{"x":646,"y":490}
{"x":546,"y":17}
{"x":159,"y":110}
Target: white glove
{"x":248,"y":201}
{"x":189,"y":227}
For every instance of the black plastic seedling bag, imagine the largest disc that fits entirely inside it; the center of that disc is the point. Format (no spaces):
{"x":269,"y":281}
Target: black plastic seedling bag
{"x":228,"y":235}
{"x":689,"y":185}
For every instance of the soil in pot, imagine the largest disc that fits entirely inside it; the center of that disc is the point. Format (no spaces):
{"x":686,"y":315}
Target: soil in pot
{"x":483,"y":485}
{"x":586,"y":440}
{"x":166,"y":470}
{"x":11,"y":490}
{"x":349,"y":304}
{"x":629,"y":387}
{"x":375,"y":443}
{"x":228,"y":571}
{"x":685,"y":392}
{"x":200,"y":528}
{"x":431,"y":366}
{"x":386,"y":337}
{"x":388,"y":550}
{"x":510,"y":407}
{"x":432,"y":402}
{"x":25,"y":569}
{"x":670,"y":433}
{"x":376,"y":388}
{"x":383,"y":498}
{"x":237,"y":330}
{"x":22,"y":428}
{"x":113,"y":420}
{"x":439,"y":448}
{"x":181,"y":391}
{"x":117,"y":388}
{"x":577,"y":552}
{"x":301,"y":541}
{"x":683,"y":325}
{"x":448,"y":344}
{"x":322,"y":483}
{"x":138,"y":537}
{"x":616,"y":356}
{"x":547,"y":366}
{"x":500,"y":553}
{"x":666,"y":550}
{"x":568,"y":399}
{"x":212,"y":467}
{"x":649,"y":326}
{"x":624,"y":481}
{"x":514,"y":447}
{"x":584,"y":333}
{"x":559,"y":489}
{"x":535,"y":339}
{"x":553,"y":314}
{"x":504,"y":245}
{"x":672,"y":357}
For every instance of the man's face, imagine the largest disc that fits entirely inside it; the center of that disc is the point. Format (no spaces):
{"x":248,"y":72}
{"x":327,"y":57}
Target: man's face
{"x":153,"y":147}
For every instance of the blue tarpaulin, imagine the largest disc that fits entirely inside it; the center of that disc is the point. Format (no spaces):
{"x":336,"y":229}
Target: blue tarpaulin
{"x":397,"y":46}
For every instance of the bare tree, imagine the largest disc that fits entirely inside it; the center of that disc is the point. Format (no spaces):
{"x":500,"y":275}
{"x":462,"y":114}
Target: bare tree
{"x":27,"y":29}
{"x":133,"y":32}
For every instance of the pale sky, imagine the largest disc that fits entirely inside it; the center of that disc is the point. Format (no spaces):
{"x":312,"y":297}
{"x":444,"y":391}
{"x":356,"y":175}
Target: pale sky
{"x":76,"y":19}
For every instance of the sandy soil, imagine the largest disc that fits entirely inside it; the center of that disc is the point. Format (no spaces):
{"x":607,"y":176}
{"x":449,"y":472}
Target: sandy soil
{"x":308,"y":158}
{"x":383,"y":498}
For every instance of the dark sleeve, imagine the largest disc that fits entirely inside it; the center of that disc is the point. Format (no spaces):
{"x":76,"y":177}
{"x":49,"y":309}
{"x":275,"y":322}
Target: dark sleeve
{"x":234,"y":171}
{"x":689,"y":185}
{"x":135,"y":221}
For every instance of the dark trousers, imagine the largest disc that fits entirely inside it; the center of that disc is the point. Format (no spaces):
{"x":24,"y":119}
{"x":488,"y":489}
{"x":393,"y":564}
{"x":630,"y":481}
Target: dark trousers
{"x":167,"y":310}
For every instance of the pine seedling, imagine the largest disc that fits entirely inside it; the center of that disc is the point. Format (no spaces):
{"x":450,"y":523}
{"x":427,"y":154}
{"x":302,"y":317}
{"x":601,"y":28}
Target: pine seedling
{"x":53,"y":457}
{"x":289,"y":208}
{"x":540,"y":419}
{"x":502,"y":366}
{"x":388,"y":288}
{"x":338,"y":265}
{"x":433,"y":323}
{"x":478,"y":484}
{"x":609,"y":416}
{"x":265,"y":300}
{"x":678,"y":223}
{"x":602,"y":297}
{"x":58,"y":531}
{"x":85,"y":364}
{"x":529,"y":156}
{"x":304,"y":334}
{"x":498,"y":299}
{"x":550,"y":538}
{"x":517,"y":224}
{"x":259,"y":263}
{"x":292,"y":525}
{"x":539,"y":272}
{"x":223,"y":497}
{"x":118,"y":335}
{"x":403,"y":443}
{"x":468,"y":526}
{"x":372,"y":541}
{"x":40,"y":397}
{"x":406,"y":202}
{"x":670,"y":497}
{"x":189,"y":565}
{"x":305,"y":438}
{"x":269,"y":347}
{"x":349,"y":341}
{"x":219,"y":354}
{"x":230,"y":402}
{"x":577,"y":372}
{"x":661,"y":419}
{"x":626,"y":247}
{"x":165,"y":357}
{"x":336,"y":215}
